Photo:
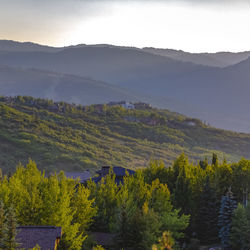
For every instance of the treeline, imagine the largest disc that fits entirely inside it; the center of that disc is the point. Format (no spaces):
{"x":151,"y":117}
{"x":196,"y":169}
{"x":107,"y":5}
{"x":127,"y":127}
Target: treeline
{"x":179,"y":207}
{"x":137,"y":212}
{"x":209,"y":193}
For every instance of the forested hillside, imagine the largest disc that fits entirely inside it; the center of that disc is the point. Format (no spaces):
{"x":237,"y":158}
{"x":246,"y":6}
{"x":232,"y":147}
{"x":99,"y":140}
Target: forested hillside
{"x":61,"y":136}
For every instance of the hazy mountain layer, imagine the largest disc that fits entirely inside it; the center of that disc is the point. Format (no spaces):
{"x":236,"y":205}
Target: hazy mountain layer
{"x":220,"y":59}
{"x":60,"y":87}
{"x":217,"y":95}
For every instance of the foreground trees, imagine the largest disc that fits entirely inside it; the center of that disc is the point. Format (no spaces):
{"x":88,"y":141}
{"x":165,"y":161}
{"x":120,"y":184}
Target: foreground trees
{"x":164,"y":207}
{"x":40,"y":200}
{"x":201,"y":190}
{"x":136,"y":211}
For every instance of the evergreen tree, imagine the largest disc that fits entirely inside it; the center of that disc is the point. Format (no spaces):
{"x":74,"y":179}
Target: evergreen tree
{"x":227,"y":208}
{"x":124,"y":224}
{"x":11,"y":222}
{"x":3,"y":228}
{"x":207,"y":218}
{"x":247,"y":231}
{"x":182,"y":192}
{"x":215,"y":159}
{"x":240,"y":233}
{"x":203,"y":164}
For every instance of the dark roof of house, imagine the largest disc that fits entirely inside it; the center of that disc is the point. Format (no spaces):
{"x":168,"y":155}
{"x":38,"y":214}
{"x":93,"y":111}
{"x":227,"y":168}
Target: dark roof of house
{"x":118,"y":171}
{"x":83,"y":176}
{"x":44,"y":236}
{"x":96,"y":179}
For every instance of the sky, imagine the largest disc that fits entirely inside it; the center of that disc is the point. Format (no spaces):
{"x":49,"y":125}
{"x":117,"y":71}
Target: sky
{"x":190,"y":25}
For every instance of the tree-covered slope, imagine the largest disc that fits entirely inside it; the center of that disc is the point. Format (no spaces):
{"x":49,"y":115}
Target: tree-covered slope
{"x":63,"y":136}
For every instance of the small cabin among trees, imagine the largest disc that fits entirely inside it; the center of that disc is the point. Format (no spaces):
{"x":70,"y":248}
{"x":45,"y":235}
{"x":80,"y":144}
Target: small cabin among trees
{"x":119,"y":172}
{"x":46,"y":237}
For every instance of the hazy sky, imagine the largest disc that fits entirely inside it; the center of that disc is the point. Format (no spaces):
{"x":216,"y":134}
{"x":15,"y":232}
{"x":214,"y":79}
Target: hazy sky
{"x":191,"y":25}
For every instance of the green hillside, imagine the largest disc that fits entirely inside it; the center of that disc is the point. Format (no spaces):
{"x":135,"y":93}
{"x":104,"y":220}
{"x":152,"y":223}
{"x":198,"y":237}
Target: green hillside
{"x":69,"y":137}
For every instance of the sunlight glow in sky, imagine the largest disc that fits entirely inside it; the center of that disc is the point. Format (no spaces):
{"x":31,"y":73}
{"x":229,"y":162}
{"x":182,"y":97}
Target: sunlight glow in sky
{"x":176,"y":24}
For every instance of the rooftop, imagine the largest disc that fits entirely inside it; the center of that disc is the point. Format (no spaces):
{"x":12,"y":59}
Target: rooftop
{"x":44,"y":236}
{"x":82,"y":176}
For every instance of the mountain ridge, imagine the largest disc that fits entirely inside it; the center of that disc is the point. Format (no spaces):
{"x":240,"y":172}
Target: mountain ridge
{"x":11,"y":45}
{"x":217,"y":95}
{"x":47,"y":84}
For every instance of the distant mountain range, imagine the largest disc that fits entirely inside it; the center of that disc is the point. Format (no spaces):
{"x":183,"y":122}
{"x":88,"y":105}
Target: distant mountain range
{"x":220,"y":59}
{"x":212,"y":87}
{"x":57,"y":86}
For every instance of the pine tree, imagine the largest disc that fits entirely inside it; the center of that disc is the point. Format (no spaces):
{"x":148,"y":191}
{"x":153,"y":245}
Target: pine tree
{"x":215,"y":159}
{"x":3,"y":228}
{"x":227,"y":208}
{"x":182,"y":192}
{"x":239,"y":223}
{"x":203,"y":163}
{"x":207,"y":218}
{"x":124,"y":224}
{"x":240,"y":233}
{"x":11,"y":243}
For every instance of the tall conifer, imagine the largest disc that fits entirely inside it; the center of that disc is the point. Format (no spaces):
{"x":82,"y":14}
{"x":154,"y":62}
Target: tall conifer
{"x":207,"y":218}
{"x":11,"y":221}
{"x":228,"y":205}
{"x":3,"y":228}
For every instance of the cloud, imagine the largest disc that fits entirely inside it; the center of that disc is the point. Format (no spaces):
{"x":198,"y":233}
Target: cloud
{"x":126,"y":22}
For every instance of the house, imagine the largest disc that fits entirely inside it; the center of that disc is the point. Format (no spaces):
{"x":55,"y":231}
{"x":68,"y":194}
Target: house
{"x":119,"y":172}
{"x":124,"y":104}
{"x":54,"y":108}
{"x":113,"y":103}
{"x":46,"y":237}
{"x":128,"y":105}
{"x":82,"y":176}
{"x":142,"y":105}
